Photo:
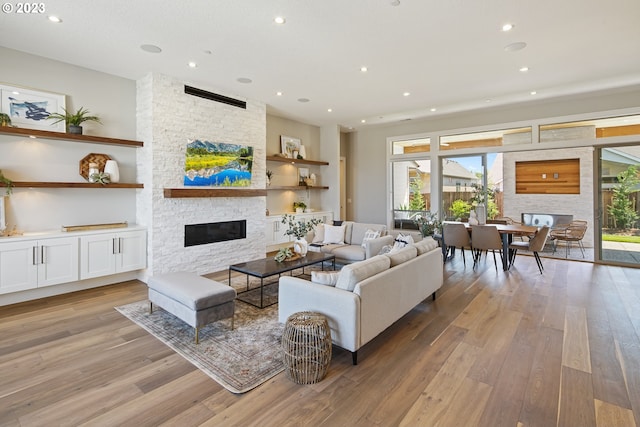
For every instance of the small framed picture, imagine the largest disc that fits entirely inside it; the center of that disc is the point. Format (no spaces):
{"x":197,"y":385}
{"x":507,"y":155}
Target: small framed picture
{"x":303,"y":176}
{"x":290,"y":146}
{"x":30,"y":108}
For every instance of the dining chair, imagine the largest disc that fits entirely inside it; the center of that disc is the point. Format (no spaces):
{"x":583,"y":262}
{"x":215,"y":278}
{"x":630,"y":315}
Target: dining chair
{"x":574,"y":232}
{"x":455,"y":235}
{"x":535,"y":245}
{"x":485,"y":238}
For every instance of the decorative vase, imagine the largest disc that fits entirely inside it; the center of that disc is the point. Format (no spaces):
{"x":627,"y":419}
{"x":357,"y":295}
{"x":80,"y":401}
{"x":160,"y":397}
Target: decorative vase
{"x":300,"y":246}
{"x":303,"y":152}
{"x":473,"y":218}
{"x":111,"y":167}
{"x":481,"y":213}
{"x":76,"y":130}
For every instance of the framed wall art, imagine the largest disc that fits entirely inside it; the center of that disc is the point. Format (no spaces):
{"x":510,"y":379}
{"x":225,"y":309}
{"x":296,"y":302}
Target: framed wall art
{"x":30,"y":108}
{"x":289,"y":145}
{"x":217,"y":164}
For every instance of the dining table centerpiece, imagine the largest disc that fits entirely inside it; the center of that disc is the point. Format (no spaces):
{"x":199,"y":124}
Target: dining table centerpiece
{"x":299,"y":229}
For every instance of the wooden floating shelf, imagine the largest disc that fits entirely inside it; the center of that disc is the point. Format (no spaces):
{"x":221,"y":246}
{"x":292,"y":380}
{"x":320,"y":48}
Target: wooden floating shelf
{"x":172,"y":193}
{"x":25,"y":184}
{"x":296,"y":161}
{"x":296,"y":187}
{"x":7,"y":130}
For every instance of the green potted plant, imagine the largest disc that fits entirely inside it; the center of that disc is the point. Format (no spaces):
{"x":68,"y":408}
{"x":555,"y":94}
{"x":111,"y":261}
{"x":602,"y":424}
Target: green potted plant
{"x":5,"y":120}
{"x":299,"y":229}
{"x":74,"y":120}
{"x":299,"y":207}
{"x":7,"y":183}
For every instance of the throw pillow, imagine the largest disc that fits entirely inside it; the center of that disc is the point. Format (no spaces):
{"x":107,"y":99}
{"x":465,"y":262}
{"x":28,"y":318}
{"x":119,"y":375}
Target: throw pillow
{"x":402,"y":241}
{"x":385,"y":249}
{"x":318,"y":233}
{"x":369,"y":235}
{"x":329,"y":278}
{"x":333,"y":234}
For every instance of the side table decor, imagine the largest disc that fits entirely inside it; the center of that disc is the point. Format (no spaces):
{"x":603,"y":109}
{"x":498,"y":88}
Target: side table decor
{"x":299,"y":229}
{"x":306,"y":347}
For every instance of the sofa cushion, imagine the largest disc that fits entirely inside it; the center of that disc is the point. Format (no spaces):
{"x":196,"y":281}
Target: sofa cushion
{"x":349,"y":253}
{"x":402,"y":255}
{"x":328,"y":278}
{"x":359,"y":230}
{"x":318,"y":233}
{"x":334,"y":234}
{"x":370,"y":235}
{"x":352,"y":274}
{"x":425,"y":245}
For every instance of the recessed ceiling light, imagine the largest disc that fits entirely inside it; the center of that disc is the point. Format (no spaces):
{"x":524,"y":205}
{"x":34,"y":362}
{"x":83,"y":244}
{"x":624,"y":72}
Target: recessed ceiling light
{"x":329,"y":110}
{"x":207,"y":52}
{"x":363,"y":121}
{"x":406,"y":94}
{"x":193,"y":64}
{"x":524,"y":69}
{"x":433,"y":109}
{"x":279,"y":20}
{"x":364,"y":69}
{"x":487,"y":100}
{"x":303,"y":100}
{"x":244,"y":80}
{"x":507,"y":27}
{"x":279,"y":93}
{"x":55,"y":19}
{"x":533,"y":92}
{"x":514,"y":47}
{"x":150,"y":48}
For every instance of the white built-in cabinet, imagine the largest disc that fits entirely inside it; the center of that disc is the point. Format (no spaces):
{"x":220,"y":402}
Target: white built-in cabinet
{"x":104,"y":254}
{"x":30,"y":263}
{"x":36,"y":263}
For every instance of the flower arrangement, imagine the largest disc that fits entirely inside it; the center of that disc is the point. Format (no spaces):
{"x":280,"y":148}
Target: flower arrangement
{"x":297,"y":228}
{"x":428,"y":223}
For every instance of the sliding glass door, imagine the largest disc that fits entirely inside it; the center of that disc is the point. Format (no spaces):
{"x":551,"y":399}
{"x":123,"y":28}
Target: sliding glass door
{"x":619,"y":204}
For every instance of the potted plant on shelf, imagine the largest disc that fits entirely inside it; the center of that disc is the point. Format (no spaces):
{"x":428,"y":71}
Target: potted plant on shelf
{"x":7,"y":182}
{"x":299,"y":207}
{"x":5,"y":120}
{"x":299,"y":229}
{"x":74,"y":120}
{"x":269,"y":175}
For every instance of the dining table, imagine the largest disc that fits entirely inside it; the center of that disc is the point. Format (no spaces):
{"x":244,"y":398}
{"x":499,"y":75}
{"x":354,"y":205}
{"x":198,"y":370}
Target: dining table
{"x":507,"y":232}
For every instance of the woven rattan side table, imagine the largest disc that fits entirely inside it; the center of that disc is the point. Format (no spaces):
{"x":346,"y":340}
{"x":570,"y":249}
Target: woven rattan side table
{"x":306,"y":347}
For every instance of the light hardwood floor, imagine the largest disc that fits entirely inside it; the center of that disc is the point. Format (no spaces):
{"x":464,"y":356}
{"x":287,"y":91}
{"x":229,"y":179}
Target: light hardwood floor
{"x":514,"y":349}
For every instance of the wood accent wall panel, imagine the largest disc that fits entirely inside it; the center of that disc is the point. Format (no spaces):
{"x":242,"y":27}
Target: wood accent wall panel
{"x":539,"y":177}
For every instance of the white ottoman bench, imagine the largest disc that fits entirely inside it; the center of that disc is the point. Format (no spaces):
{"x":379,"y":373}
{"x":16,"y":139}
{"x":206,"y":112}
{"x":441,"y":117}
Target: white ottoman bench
{"x":193,"y":299}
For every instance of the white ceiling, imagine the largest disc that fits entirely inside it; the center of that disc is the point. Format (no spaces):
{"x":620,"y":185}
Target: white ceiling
{"x":449,"y":54}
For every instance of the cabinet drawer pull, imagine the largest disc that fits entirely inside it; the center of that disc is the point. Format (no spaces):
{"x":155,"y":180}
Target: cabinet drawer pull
{"x":43,"y":253}
{"x":34,"y":255}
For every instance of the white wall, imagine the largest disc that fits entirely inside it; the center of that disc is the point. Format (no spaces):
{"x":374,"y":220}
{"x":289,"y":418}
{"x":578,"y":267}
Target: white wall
{"x":167,"y":119}
{"x":113,"y":100}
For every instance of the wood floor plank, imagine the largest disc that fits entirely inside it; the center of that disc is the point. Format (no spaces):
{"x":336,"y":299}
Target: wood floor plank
{"x":575,"y":346}
{"x":432,"y":404}
{"x":608,"y":415}
{"x":540,"y":406}
{"x":576,"y":407}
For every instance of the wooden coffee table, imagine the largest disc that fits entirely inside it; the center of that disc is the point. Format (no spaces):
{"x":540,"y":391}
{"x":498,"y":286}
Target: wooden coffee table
{"x":267,"y":267}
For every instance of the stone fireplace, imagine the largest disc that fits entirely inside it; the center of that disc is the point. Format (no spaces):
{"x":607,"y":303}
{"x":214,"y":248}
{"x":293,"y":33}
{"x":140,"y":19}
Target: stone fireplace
{"x":214,"y":232}
{"x":166,"y":119}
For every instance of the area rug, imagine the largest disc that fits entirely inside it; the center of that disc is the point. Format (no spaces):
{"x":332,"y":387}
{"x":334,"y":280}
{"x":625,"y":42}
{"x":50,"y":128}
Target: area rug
{"x":239,"y":360}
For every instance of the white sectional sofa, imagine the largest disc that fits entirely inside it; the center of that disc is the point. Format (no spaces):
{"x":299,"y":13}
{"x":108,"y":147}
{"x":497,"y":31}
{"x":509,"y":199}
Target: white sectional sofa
{"x":368,"y":295}
{"x":347,"y":245}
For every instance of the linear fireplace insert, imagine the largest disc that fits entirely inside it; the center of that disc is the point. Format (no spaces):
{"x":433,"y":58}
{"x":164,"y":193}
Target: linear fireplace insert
{"x":212,"y":232}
